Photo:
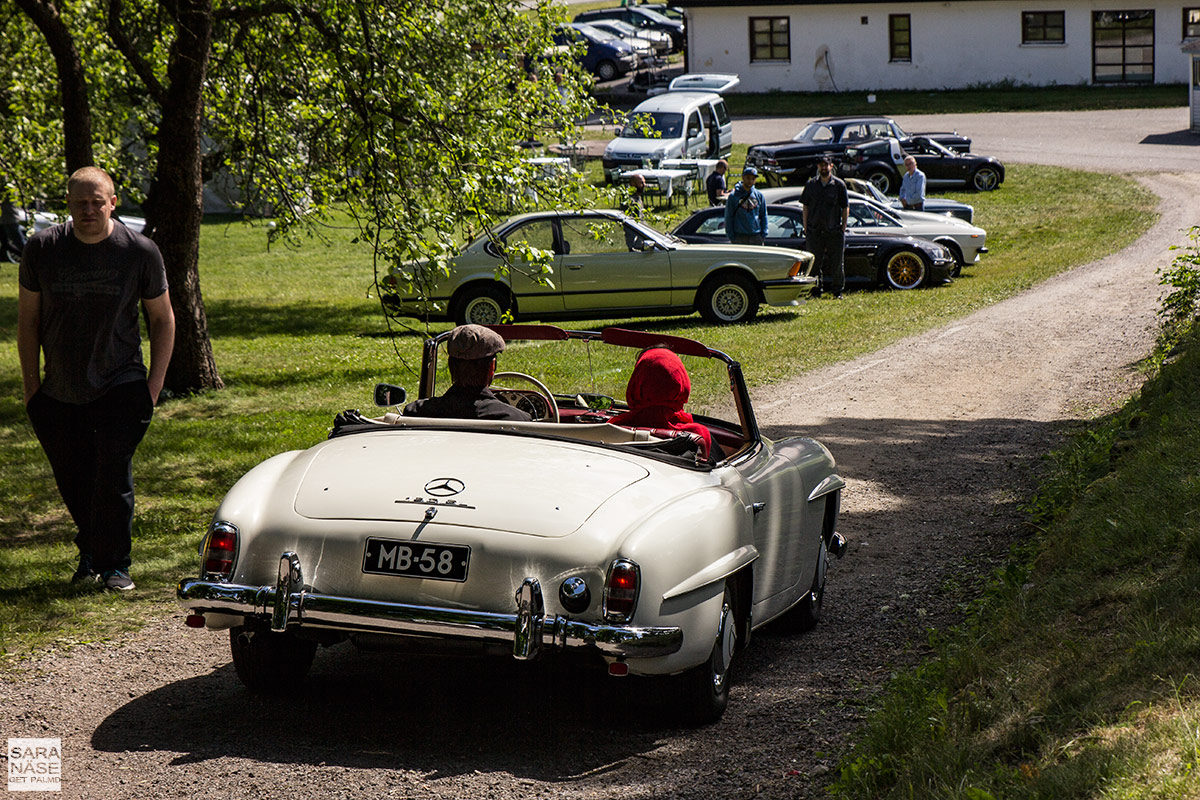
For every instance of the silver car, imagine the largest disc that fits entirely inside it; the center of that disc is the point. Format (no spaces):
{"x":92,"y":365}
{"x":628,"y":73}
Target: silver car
{"x":601,"y":263}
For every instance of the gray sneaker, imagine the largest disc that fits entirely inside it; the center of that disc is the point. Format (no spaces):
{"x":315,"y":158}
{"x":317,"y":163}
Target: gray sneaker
{"x":117,"y":580}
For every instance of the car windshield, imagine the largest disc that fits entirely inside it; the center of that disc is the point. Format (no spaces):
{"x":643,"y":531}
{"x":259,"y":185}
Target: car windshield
{"x":815,"y":133}
{"x":595,"y":34}
{"x":624,"y":28}
{"x":653,"y":125}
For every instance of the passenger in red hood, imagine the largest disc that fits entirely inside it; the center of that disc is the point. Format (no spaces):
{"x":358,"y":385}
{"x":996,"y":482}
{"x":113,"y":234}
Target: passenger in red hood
{"x":657,"y":391}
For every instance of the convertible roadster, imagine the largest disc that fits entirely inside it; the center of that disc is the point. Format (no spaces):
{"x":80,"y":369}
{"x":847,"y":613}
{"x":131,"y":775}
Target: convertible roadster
{"x":645,"y":551}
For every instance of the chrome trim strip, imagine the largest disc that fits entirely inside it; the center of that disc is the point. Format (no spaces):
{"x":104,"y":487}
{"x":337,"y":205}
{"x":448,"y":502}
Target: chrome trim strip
{"x":307,"y":608}
{"x":831,"y":483}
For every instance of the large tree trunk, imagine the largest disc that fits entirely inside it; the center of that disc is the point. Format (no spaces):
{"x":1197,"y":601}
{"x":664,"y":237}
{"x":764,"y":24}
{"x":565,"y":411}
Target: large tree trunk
{"x":174,"y":208}
{"x":72,"y":85}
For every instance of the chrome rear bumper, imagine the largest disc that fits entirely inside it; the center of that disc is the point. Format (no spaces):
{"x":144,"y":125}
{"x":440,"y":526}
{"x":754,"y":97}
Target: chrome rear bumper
{"x":289,"y":605}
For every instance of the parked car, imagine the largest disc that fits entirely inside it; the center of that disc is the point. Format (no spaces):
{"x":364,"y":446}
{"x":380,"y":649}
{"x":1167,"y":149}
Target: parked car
{"x":965,"y":242}
{"x":895,"y":260}
{"x":624,"y":546}
{"x":795,"y":161}
{"x":933,"y":205}
{"x":672,"y":125}
{"x":639,"y":17}
{"x":717,"y":82}
{"x":605,"y":263}
{"x":881,"y":162}
{"x":670,"y":12}
{"x":600,"y":53}
{"x":658,"y":42}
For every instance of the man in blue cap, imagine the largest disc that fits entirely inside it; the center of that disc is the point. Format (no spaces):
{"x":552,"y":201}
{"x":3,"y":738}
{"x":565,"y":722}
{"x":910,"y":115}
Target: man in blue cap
{"x":746,"y":211}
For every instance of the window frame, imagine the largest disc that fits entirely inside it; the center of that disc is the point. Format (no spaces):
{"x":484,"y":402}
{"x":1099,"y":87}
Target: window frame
{"x":772,"y":31}
{"x":895,"y":56}
{"x":1194,"y":24}
{"x":1125,"y":16}
{"x":1027,"y":28}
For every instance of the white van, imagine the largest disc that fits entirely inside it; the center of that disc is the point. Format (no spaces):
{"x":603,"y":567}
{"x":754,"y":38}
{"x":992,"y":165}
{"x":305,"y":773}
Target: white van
{"x":671,"y":125}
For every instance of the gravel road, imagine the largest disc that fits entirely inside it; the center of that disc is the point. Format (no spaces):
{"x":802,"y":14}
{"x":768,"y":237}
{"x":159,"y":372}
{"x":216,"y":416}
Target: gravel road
{"x":937,"y":437}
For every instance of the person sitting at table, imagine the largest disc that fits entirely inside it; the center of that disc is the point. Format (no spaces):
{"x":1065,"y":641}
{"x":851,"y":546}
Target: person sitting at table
{"x":715,"y":184}
{"x":657,"y":392}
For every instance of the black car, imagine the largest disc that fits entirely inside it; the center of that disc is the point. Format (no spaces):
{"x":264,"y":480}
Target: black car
{"x":901,"y":262}
{"x":639,"y":17}
{"x":795,"y":161}
{"x":882,"y":163}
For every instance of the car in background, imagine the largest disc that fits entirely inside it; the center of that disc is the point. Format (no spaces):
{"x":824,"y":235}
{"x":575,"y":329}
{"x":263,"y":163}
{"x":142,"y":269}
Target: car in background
{"x":639,"y":17}
{"x":933,"y":205}
{"x":627,"y":548}
{"x":795,"y":161}
{"x":881,"y":162}
{"x":966,"y":242}
{"x":600,"y":53}
{"x":671,"y":125}
{"x":658,"y":42}
{"x":895,"y":260}
{"x":603,"y":264}
{"x":718,"y":82}
{"x":670,"y":12}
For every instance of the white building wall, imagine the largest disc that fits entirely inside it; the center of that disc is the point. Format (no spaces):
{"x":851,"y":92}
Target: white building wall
{"x":954,"y":45}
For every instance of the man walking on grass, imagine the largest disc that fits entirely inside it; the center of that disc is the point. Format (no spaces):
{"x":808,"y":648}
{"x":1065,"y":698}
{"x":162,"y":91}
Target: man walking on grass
{"x":82,"y":285}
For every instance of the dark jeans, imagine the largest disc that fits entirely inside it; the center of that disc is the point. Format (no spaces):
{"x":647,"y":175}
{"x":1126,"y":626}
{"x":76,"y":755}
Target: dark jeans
{"x":90,"y":448}
{"x":829,"y":248}
{"x":746,"y":238}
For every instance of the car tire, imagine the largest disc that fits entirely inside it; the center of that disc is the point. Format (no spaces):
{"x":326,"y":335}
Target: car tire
{"x":728,"y":298}
{"x":956,"y":252}
{"x":905,"y":269}
{"x":482,"y":305}
{"x":985,"y":179}
{"x":268,"y":662}
{"x":704,"y":690}
{"x":606,"y":70}
{"x":882,"y":180}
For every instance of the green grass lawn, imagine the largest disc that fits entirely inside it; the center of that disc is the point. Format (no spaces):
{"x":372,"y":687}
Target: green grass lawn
{"x":298,"y":336}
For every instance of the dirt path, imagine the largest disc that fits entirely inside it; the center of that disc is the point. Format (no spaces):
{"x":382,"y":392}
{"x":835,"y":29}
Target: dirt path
{"x":936,"y":437}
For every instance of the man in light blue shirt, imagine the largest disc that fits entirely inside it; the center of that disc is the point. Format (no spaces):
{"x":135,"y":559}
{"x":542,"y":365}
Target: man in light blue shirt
{"x":912,"y":186}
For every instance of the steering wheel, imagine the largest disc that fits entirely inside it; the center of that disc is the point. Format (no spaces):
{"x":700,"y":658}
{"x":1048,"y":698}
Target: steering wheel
{"x":541,"y":389}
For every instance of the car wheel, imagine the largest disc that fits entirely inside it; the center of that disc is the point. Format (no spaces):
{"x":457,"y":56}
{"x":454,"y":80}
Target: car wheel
{"x":482,"y":305}
{"x":882,"y":181}
{"x":606,"y":70}
{"x":728,"y":298}
{"x":985,"y":179}
{"x":904,"y":269}
{"x":704,"y":690}
{"x":268,"y":662}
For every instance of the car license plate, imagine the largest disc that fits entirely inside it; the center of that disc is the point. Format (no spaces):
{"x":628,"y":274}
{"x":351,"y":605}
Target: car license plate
{"x":440,"y":562}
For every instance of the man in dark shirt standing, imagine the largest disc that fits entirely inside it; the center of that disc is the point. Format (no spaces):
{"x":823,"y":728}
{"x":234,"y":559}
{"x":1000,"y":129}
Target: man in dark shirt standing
{"x":81,"y":286}
{"x":714,"y":184}
{"x":826,"y":212}
{"x":471,"y":351}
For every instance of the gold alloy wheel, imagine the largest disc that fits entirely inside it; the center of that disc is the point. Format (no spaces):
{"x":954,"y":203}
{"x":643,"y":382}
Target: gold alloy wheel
{"x":905,"y":270}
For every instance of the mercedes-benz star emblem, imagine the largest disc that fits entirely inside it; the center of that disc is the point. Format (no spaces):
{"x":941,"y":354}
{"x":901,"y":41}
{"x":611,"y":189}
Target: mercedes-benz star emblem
{"x":444,"y":487}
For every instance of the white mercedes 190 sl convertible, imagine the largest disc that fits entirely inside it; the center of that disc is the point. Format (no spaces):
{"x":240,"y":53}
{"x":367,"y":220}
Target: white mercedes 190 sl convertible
{"x":630,"y":546}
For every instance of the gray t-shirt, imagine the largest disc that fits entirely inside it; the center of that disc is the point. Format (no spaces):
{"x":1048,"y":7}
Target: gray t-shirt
{"x":90,"y":296}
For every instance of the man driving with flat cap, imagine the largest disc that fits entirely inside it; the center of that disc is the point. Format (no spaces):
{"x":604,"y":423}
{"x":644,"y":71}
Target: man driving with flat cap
{"x":472,"y":351}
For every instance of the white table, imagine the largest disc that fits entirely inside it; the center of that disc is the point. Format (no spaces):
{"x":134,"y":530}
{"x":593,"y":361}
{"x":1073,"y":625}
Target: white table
{"x":700,"y":167}
{"x":667,"y":180}
{"x":550,"y":166}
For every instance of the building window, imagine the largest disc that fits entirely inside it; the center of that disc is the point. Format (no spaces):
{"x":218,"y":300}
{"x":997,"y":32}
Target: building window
{"x":899,"y":37}
{"x":1123,"y":47}
{"x":1191,"y":23}
{"x":1042,"y":27}
{"x":770,"y":39}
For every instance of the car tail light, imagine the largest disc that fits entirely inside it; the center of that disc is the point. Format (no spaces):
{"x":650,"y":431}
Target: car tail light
{"x":220,"y":550}
{"x":621,"y":590}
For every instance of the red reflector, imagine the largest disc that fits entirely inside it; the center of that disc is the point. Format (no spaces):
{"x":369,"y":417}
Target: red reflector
{"x":194,"y":621}
{"x":618,"y":668}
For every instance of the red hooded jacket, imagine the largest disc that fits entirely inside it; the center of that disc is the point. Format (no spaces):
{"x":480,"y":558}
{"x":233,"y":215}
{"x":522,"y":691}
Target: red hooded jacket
{"x":657,"y":391}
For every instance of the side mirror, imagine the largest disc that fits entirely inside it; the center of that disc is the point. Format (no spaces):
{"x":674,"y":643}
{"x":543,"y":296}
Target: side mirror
{"x":388,"y":395}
